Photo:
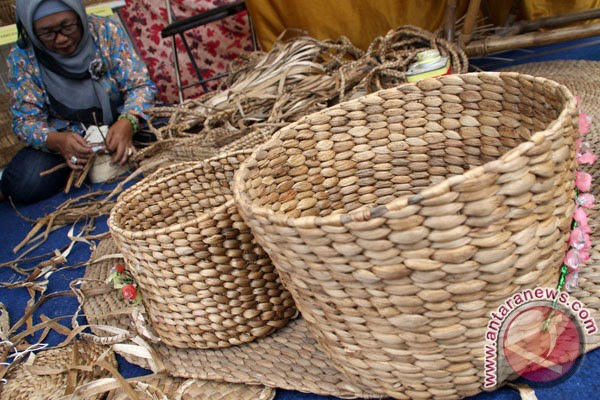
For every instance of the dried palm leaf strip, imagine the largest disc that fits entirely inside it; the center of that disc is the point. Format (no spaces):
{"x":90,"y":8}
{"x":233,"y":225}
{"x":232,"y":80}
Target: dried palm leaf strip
{"x":165,"y":387}
{"x":83,"y":208}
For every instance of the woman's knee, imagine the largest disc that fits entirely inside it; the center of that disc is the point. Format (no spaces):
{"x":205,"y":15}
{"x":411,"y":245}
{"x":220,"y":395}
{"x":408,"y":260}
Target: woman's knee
{"x":21,"y":179}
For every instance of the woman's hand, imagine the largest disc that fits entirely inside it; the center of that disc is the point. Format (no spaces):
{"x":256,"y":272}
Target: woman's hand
{"x":119,"y":141}
{"x":74,"y":149}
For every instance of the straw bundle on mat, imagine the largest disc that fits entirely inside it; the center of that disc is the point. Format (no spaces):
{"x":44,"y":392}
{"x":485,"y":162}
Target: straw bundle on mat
{"x":400,"y":220}
{"x":259,"y":94}
{"x":203,"y":279}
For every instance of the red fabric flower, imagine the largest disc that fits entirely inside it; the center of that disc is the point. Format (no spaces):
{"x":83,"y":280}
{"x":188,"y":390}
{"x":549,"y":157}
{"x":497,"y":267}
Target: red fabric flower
{"x":129,"y":292}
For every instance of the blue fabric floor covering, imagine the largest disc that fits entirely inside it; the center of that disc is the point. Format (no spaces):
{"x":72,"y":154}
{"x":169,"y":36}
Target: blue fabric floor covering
{"x":584,"y":384}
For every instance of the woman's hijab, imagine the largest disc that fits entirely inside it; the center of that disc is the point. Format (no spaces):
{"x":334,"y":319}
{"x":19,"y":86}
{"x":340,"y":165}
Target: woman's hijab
{"x":70,"y":80}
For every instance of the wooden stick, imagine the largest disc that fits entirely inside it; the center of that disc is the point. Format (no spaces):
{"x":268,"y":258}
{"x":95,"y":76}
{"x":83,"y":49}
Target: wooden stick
{"x":72,"y":374}
{"x":31,"y":233}
{"x":53,"y":169}
{"x":496,"y":44}
{"x":70,"y":181}
{"x":472,"y":11}
{"x":85,"y":171}
{"x":450,"y":20}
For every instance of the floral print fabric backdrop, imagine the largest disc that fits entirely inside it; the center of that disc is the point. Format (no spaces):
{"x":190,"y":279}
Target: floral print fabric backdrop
{"x":213,"y":45}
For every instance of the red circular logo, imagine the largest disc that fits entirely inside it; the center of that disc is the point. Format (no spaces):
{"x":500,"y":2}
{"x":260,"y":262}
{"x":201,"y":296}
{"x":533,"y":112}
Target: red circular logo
{"x":542,"y":344}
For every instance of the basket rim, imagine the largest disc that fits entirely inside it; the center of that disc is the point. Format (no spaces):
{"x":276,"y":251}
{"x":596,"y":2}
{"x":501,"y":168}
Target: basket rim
{"x":130,"y":191}
{"x":142,"y":234}
{"x":367,"y":212}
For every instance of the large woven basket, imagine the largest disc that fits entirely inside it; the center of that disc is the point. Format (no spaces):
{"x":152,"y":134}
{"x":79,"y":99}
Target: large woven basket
{"x":204,"y":280}
{"x":399,"y":220}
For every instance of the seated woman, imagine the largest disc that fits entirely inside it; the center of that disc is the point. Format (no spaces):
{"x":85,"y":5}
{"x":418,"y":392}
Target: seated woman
{"x":67,"y":71}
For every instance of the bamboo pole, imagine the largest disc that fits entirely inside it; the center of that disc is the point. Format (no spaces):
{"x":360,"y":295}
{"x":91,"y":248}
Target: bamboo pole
{"x":471,"y":17}
{"x":497,"y":44}
{"x":552,"y":22}
{"x":450,"y":20}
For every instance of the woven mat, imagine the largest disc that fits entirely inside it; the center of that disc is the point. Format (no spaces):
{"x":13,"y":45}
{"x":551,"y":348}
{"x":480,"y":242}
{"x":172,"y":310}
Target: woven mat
{"x":46,"y":377}
{"x":290,"y":358}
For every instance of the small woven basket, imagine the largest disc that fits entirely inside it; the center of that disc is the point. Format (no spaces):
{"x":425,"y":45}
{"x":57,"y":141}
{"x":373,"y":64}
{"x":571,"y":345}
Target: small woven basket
{"x":204,"y":281}
{"x":400,"y":220}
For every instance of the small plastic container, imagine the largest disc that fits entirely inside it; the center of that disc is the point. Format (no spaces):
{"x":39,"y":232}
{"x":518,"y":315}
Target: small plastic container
{"x":430,"y":63}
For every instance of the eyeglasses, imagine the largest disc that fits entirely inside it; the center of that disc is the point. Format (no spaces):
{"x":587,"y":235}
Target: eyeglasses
{"x":65,"y":30}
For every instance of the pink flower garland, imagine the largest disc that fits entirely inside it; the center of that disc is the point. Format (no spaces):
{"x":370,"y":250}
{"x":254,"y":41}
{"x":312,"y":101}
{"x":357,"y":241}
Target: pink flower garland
{"x":579,"y":239}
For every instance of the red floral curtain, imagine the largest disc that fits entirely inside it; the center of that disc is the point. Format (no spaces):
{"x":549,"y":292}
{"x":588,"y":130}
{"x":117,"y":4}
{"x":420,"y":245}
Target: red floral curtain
{"x":213,"y":45}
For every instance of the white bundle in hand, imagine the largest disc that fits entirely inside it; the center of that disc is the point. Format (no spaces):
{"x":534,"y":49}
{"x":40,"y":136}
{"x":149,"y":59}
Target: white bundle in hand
{"x":102,"y":169}
{"x":96,"y":134}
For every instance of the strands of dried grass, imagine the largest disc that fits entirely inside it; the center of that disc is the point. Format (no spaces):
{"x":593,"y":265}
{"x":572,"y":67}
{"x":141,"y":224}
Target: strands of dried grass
{"x":83,"y":208}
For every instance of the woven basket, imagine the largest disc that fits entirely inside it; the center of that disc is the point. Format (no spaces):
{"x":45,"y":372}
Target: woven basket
{"x":204,"y":280}
{"x":9,"y":142}
{"x":7,"y":12}
{"x":161,"y":172}
{"x":399,"y":220}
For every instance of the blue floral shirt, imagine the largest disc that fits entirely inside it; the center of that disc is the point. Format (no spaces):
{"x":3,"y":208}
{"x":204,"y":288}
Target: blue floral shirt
{"x":33,"y":117}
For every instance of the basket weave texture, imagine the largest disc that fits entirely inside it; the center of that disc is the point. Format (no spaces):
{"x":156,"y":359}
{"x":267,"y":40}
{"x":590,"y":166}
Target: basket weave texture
{"x":204,"y":280}
{"x":9,"y":142}
{"x":400,"y":220}
{"x":7,"y":12}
